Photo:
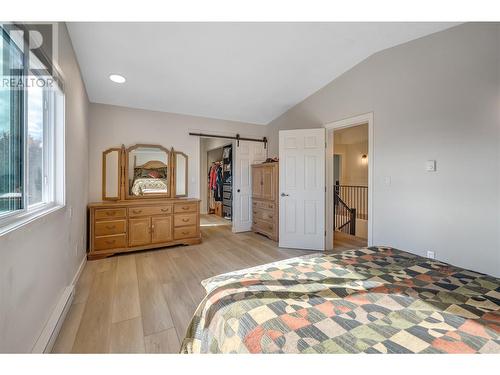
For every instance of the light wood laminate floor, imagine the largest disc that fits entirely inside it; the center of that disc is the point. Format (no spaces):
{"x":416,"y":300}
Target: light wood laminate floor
{"x":142,"y":302}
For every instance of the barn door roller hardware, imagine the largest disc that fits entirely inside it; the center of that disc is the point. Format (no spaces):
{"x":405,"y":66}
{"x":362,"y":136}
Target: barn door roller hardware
{"x":237,"y":137}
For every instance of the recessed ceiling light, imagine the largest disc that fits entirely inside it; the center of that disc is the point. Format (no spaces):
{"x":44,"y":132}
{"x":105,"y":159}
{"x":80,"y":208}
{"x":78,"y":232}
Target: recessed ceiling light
{"x":117,"y":78}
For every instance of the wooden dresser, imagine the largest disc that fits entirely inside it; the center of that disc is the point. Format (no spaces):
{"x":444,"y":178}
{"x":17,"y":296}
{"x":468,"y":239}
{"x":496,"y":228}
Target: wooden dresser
{"x":122,"y":226}
{"x":265,"y":207}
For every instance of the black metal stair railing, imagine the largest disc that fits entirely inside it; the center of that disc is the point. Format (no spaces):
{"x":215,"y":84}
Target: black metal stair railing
{"x":350,"y":202}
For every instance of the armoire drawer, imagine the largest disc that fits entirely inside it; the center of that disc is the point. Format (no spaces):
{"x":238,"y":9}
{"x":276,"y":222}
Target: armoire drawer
{"x":106,"y":228}
{"x":110,"y":242}
{"x":185,"y":219}
{"x":263,"y":204}
{"x":263,"y":226}
{"x":149,"y":210}
{"x":267,"y":215}
{"x":110,"y":213}
{"x":185,"y":232}
{"x":186,"y":207}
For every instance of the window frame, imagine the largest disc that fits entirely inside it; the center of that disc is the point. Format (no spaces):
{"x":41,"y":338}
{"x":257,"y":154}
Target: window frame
{"x":53,"y":178}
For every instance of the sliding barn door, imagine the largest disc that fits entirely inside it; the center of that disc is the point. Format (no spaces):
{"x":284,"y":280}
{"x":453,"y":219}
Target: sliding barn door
{"x":246,"y":154}
{"x":302,"y":189}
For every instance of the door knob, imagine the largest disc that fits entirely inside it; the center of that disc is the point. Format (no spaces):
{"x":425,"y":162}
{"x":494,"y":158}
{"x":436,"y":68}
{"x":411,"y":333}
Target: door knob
{"x":285,"y":195}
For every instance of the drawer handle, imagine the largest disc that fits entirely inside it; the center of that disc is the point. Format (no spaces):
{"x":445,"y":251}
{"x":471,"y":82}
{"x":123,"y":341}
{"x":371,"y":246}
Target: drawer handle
{"x":185,"y":208}
{"x":109,"y":227}
{"x":255,"y":222}
{"x":185,"y":220}
{"x":164,"y":210}
{"x":185,"y":232}
{"x":110,"y":242}
{"x":111,"y":213}
{"x":136,"y":211}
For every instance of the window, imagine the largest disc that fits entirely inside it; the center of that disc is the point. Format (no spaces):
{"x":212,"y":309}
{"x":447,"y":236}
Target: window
{"x":31,"y":138}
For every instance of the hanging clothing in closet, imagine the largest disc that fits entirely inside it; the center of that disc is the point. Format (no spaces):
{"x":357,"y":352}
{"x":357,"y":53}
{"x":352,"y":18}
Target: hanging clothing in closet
{"x":215,"y":183}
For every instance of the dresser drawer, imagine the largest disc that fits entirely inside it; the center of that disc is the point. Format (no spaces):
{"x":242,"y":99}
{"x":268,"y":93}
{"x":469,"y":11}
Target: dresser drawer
{"x":185,"y":232}
{"x":263,"y":226}
{"x":149,"y":210}
{"x":105,"y":228}
{"x":185,"y":219}
{"x":110,"y":242}
{"x":263,"y":204}
{"x":186,"y":207}
{"x":110,"y":213}
{"x":260,"y":214}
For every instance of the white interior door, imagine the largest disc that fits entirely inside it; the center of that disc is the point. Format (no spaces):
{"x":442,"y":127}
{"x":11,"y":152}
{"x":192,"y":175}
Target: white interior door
{"x":302,"y":188}
{"x":246,"y":154}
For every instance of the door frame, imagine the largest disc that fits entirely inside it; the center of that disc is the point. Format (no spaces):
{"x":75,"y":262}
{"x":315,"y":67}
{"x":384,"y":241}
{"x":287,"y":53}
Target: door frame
{"x":366,"y":118}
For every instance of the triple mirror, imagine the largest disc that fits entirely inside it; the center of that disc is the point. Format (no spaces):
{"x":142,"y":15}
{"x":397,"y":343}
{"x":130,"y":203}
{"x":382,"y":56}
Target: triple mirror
{"x":144,"y":171}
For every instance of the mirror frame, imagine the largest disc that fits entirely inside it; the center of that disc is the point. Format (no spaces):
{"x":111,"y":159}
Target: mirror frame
{"x":170,"y":172}
{"x":119,"y":180}
{"x":174,"y":180}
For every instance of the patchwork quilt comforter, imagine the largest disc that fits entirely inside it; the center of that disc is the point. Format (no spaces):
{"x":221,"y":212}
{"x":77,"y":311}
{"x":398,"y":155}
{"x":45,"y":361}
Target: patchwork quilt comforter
{"x":149,"y":185}
{"x":372,"y":300}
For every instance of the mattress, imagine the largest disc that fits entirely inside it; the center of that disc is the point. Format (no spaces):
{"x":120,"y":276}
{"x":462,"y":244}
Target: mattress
{"x":371,"y":300}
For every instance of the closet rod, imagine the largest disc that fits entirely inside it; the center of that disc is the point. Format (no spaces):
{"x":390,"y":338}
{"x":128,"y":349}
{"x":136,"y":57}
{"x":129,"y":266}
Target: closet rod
{"x":237,"y":137}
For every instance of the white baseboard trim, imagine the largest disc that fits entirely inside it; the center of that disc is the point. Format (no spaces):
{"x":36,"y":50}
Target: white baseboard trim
{"x":49,"y":333}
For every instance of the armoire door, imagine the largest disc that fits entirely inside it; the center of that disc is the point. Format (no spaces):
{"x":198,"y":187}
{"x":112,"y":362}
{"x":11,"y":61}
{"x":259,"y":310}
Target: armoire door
{"x":268,"y":182}
{"x":139,"y":231}
{"x":161,"y":229}
{"x":257,"y":182}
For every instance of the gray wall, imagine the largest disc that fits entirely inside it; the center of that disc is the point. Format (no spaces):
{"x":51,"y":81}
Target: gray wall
{"x":39,"y":260}
{"x":437,"y":97}
{"x":112,"y":126}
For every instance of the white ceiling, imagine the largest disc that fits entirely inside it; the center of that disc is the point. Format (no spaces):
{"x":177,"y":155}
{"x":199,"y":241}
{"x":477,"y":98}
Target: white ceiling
{"x":251,"y":72}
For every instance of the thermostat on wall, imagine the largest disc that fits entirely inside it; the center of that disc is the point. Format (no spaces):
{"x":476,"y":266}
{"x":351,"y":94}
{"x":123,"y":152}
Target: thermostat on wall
{"x":430,"y":166}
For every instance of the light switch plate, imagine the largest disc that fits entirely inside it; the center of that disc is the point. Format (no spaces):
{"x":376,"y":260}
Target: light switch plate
{"x":430,"y":166}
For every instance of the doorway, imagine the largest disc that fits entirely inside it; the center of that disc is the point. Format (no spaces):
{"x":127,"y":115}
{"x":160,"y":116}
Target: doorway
{"x":349,"y":182}
{"x":230,"y":201}
{"x":216,"y":180}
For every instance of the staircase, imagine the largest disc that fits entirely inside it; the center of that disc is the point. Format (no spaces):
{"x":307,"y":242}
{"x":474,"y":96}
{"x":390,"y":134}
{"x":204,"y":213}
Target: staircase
{"x":350,"y":202}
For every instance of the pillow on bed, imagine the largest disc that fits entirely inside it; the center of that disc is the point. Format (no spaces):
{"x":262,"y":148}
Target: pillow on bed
{"x":146,"y":173}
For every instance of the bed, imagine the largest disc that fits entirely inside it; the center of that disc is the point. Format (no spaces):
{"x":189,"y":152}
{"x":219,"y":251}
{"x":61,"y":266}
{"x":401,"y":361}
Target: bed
{"x":371,"y":300}
{"x":149,"y":178}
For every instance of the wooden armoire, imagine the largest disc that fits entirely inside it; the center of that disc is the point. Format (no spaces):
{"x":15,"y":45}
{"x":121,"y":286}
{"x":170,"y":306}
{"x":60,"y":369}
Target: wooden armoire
{"x":265,"y":197}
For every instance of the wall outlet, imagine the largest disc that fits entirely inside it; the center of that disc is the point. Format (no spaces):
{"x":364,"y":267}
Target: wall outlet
{"x":431,"y":255}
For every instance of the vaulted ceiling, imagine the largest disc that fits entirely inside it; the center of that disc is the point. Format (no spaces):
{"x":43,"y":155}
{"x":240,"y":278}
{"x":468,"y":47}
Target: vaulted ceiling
{"x":250,"y":72}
